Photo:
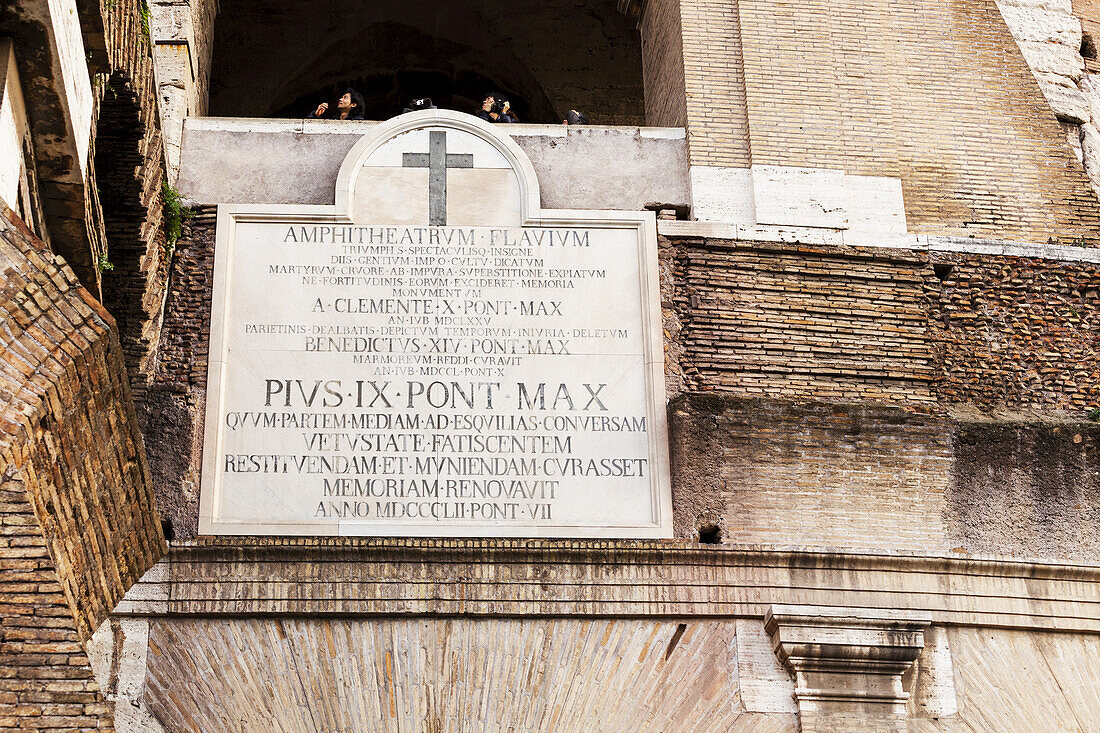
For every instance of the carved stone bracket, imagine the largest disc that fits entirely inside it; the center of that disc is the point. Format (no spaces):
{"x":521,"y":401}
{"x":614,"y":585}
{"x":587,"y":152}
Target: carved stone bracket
{"x":848,"y":663}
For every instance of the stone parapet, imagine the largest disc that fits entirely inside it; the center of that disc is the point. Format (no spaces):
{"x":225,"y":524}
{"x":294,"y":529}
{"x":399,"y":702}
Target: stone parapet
{"x":266,"y":161}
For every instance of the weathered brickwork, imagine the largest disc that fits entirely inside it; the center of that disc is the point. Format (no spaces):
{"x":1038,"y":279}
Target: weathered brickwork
{"x":796,"y":321}
{"x":1025,"y":488}
{"x":1017,"y":333}
{"x":129,"y":170}
{"x":47,"y":681}
{"x":78,"y":522}
{"x":714,"y":74}
{"x":175,"y":403}
{"x":814,"y":474}
{"x":800,"y":321}
{"x":810,"y":474}
{"x":792,"y":325}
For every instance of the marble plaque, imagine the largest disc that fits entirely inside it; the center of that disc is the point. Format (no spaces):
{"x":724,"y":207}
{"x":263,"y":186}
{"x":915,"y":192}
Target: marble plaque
{"x":435,"y":355}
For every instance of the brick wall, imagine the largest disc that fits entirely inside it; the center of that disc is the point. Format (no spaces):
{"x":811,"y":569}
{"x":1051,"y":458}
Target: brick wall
{"x":992,"y":364}
{"x":815,"y":474}
{"x":79,"y":523}
{"x":810,"y":473}
{"x":129,"y":170}
{"x":800,"y":321}
{"x":797,"y":321}
{"x":714,"y":72}
{"x":174,"y":406}
{"x":1016,"y":333}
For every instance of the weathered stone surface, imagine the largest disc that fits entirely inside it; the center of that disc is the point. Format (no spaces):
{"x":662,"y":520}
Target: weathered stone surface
{"x":1013,"y":681}
{"x":348,"y":576}
{"x":450,"y":674}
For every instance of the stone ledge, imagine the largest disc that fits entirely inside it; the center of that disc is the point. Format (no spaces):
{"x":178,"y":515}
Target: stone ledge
{"x":649,"y":579}
{"x":840,"y":238}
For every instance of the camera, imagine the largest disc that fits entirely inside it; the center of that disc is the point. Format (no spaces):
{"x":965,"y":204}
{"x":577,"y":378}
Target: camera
{"x":499,"y":105}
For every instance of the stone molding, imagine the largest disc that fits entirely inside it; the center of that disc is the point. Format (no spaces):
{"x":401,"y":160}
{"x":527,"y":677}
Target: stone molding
{"x":342,"y":576}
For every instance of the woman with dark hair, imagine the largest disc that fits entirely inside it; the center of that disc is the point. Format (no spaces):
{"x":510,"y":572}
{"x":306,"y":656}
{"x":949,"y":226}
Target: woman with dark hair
{"x":350,"y":107}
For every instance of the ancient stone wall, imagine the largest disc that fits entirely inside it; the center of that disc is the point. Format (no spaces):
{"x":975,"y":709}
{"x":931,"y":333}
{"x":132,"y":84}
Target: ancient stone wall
{"x":809,"y":474}
{"x":602,"y":636}
{"x":1017,"y":333}
{"x":797,"y":321}
{"x":801,"y":321}
{"x":768,"y":341}
{"x":821,"y":394}
{"x":561,"y":671}
{"x":715,"y":79}
{"x":79,"y":520}
{"x":823,"y":474}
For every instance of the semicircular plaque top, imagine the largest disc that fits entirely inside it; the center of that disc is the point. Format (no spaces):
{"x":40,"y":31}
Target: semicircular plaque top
{"x":434,"y":354}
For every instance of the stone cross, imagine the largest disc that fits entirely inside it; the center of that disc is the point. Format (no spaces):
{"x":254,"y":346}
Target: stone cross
{"x":437,"y":160}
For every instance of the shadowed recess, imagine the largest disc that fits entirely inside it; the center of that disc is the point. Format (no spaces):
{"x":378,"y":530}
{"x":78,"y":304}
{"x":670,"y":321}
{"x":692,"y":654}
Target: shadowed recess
{"x":547,"y":57}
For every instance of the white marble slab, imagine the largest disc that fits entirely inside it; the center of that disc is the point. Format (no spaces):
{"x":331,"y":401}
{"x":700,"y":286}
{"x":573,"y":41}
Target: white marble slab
{"x":372,"y":373}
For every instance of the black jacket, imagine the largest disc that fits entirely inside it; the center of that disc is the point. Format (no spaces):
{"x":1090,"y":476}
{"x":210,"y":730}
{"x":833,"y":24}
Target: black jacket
{"x":332,"y":113}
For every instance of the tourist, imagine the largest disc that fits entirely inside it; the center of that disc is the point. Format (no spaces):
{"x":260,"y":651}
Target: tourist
{"x":573,"y":117}
{"x":349,"y":107}
{"x":495,"y":108}
{"x":415,"y":105}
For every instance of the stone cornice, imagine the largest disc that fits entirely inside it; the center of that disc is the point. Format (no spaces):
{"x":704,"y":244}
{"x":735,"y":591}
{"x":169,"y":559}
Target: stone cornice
{"x":610,"y":578}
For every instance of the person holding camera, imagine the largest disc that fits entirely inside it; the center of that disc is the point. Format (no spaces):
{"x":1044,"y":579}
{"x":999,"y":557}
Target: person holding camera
{"x":496,"y":109}
{"x":415,"y":105}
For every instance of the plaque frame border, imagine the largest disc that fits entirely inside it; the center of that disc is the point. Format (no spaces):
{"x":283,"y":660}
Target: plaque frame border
{"x":531,"y":215}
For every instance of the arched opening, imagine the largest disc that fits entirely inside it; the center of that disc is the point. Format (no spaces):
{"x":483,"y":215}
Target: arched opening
{"x":547,"y":57}
{"x":132,"y":268}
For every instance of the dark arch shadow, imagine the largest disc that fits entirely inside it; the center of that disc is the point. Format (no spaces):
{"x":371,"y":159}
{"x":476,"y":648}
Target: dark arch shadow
{"x":397,"y":62}
{"x":134,"y":243}
{"x":272,"y":58}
